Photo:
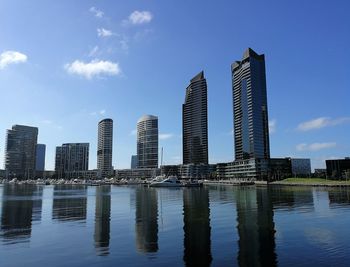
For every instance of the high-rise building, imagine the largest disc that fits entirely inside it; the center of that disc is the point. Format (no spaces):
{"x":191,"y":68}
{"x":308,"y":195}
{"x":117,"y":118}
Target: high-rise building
{"x":251,"y":128}
{"x":40,"y":157}
{"x":133,"y":162}
{"x":71,"y":157}
{"x":147,"y":142}
{"x":20,"y":151}
{"x":195,"y":122}
{"x":105,"y":147}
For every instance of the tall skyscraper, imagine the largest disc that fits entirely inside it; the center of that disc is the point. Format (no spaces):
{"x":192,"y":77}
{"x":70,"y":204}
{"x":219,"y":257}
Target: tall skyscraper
{"x":71,"y":157}
{"x":20,"y":151}
{"x":105,"y":147}
{"x":40,"y":157}
{"x":251,"y":128}
{"x":147,"y":142}
{"x":195,"y":122}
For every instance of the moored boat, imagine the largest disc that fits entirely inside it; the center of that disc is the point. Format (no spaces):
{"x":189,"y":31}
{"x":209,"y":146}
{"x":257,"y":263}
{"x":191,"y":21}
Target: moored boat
{"x":170,"y":181}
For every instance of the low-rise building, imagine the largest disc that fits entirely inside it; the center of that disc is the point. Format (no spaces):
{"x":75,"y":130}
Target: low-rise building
{"x":301,"y":167}
{"x":140,"y":173}
{"x":338,"y":168}
{"x":255,"y":169}
{"x":190,"y":171}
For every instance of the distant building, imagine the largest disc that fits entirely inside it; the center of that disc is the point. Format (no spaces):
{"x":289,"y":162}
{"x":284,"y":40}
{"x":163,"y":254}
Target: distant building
{"x":134,"y":162}
{"x":255,"y":169}
{"x":40,"y":157}
{"x":190,"y":171}
{"x":139,"y":173}
{"x":320,"y":173}
{"x":147,"y":142}
{"x":105,"y":147}
{"x":195,"y":122}
{"x":20,"y":152}
{"x":251,"y":127}
{"x":70,"y":158}
{"x":338,"y":168}
{"x":301,"y":167}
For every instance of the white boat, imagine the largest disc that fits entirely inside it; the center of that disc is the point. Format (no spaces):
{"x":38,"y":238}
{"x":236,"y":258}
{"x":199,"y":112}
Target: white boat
{"x":170,"y":181}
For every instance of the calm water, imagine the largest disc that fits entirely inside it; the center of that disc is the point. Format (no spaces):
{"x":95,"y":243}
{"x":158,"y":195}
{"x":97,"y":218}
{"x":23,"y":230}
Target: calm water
{"x":137,"y":226}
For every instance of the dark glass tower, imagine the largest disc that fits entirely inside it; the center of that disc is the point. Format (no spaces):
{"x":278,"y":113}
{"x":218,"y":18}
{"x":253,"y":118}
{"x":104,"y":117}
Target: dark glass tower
{"x":105,"y":147}
{"x":251,"y":128}
{"x":195,"y":122}
{"x":21,"y":151}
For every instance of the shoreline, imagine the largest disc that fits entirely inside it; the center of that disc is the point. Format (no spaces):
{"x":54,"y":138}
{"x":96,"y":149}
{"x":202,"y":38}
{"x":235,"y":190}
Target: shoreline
{"x":278,"y":183}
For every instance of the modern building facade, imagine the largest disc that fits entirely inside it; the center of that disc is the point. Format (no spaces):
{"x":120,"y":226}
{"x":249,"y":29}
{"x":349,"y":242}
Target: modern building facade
{"x":338,"y":168}
{"x":70,"y":158}
{"x":147,"y":142}
{"x":301,"y":167}
{"x":251,"y":128}
{"x":195,"y":122}
{"x":20,"y":152}
{"x":105,"y":147}
{"x":134,"y":162}
{"x":40,"y":157}
{"x":140,"y":173}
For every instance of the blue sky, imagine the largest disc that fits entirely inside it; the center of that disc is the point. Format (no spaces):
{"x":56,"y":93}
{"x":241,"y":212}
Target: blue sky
{"x":65,"y":65}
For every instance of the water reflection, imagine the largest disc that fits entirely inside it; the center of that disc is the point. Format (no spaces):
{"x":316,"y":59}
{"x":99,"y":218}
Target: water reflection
{"x":102,"y":219}
{"x":197,"y":251}
{"x":146,"y":225}
{"x":339,"y":196}
{"x":69,"y":202}
{"x":255,"y":228}
{"x":20,"y":206}
{"x":292,"y":197}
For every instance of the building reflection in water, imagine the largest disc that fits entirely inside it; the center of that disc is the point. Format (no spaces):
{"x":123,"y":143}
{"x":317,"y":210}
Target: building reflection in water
{"x":21,"y":205}
{"x":69,"y":202}
{"x":196,"y":212}
{"x":146,"y":225}
{"x":339,"y":196}
{"x":292,"y":197}
{"x":255,"y":227}
{"x":102,"y":219}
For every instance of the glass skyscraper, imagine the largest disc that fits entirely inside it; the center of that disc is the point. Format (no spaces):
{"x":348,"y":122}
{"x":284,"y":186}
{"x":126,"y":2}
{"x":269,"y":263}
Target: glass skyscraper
{"x":195,"y":122}
{"x":105,"y":147}
{"x":251,"y":128}
{"x":147,"y":142}
{"x":71,"y":157}
{"x":40,"y":157}
{"x":21,"y":151}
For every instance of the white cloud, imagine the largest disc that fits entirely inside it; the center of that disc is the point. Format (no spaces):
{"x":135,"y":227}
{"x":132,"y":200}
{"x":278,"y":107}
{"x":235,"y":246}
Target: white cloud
{"x":98,"y":13}
{"x":140,"y":17}
{"x":321,"y":122}
{"x":165,"y":136}
{"x":272,"y":126}
{"x":102,"y":32}
{"x":133,"y":132}
{"x":93,"y":68}
{"x":93,"y":51}
{"x":102,"y":111}
{"x":315,"y":146}
{"x":11,"y":57}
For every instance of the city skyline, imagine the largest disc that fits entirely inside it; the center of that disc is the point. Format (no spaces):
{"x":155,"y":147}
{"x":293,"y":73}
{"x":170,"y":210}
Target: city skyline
{"x":307,"y":108}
